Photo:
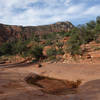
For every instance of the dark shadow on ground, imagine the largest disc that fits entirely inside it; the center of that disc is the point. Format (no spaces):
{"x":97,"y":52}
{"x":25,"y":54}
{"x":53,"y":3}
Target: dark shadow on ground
{"x":25,"y":64}
{"x":52,"y":85}
{"x":88,"y":91}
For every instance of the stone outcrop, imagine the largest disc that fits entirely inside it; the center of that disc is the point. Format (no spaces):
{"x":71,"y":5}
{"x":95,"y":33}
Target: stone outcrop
{"x":45,"y":49}
{"x":12,"y":32}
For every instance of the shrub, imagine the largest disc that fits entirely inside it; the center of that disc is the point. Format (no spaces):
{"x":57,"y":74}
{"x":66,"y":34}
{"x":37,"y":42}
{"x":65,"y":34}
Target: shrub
{"x":48,"y":42}
{"x":60,"y":44}
{"x":74,"y":45}
{"x":60,"y":51}
{"x":19,"y":47}
{"x":36,"y":38}
{"x":50,"y":36}
{"x":51,"y":52}
{"x":64,"y":34}
{"x":36,"y":51}
{"x":97,"y":48}
{"x":52,"y":58}
{"x":91,"y":25}
{"x":6,"y":49}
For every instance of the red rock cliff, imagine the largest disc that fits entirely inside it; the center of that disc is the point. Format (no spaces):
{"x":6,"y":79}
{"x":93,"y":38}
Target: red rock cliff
{"x":12,"y":32}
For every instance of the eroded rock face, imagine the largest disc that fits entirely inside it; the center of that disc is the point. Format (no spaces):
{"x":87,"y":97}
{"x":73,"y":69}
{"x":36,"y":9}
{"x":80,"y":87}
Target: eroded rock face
{"x":53,"y":86}
{"x":12,"y":32}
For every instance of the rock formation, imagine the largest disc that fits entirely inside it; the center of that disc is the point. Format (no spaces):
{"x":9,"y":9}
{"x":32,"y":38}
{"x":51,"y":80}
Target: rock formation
{"x":12,"y":32}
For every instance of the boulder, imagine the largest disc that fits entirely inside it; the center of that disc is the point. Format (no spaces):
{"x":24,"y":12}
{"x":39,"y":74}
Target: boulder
{"x":45,"y":49}
{"x":38,"y":65}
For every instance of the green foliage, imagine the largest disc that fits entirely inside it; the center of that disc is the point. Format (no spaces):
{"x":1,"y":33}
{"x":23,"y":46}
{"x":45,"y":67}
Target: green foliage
{"x":48,"y":42}
{"x":19,"y":47}
{"x":60,"y":51}
{"x":50,"y":36}
{"x":98,"y":20}
{"x":97,"y":28}
{"x":13,"y":48}
{"x":52,"y":58}
{"x":55,"y":35}
{"x":59,"y":44}
{"x":36,"y":52}
{"x":51,"y":52}
{"x":36,"y":38}
{"x":97,"y":48}
{"x":91,"y":25}
{"x":83,"y":34}
{"x":79,"y":35}
{"x":64,"y":34}
{"x":74,"y":45}
{"x":45,"y":36}
{"x":6,"y":49}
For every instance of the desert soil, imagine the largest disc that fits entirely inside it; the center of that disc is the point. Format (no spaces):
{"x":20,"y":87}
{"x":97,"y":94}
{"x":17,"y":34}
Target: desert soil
{"x":14,"y":87}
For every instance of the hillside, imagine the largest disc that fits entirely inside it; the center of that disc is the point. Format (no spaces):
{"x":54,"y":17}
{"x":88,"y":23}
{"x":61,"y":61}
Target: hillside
{"x":12,"y":32}
{"x":57,"y":42}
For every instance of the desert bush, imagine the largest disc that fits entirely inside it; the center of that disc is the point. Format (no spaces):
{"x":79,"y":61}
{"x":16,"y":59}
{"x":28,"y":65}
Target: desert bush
{"x":36,"y":38}
{"x":64,"y":34}
{"x":48,"y":42}
{"x":50,"y":36}
{"x":83,"y":34}
{"x":73,"y":45}
{"x":51,"y":52}
{"x":91,"y":25}
{"x":59,"y":44}
{"x":97,"y":48}
{"x":52,"y":58}
{"x":36,"y":52}
{"x":19,"y":47}
{"x":6,"y":49}
{"x":60,"y":51}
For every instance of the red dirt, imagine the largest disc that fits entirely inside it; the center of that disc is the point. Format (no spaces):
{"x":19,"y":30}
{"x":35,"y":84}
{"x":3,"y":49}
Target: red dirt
{"x":14,"y":77}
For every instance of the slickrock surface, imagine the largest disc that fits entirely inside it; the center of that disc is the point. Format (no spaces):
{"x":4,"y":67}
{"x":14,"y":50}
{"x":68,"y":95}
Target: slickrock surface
{"x":14,"y":87}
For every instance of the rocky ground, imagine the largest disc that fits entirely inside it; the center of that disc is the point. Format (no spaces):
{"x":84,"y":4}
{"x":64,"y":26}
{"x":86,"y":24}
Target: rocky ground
{"x":14,"y":87}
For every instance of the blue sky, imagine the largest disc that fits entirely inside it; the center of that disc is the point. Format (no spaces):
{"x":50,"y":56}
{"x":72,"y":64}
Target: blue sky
{"x":42,"y":12}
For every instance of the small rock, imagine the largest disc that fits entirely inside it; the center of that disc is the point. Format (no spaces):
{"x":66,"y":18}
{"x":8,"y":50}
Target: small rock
{"x":38,"y":65}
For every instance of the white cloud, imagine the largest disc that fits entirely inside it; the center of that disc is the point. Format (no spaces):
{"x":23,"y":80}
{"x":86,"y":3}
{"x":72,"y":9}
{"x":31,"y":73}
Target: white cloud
{"x":94,"y":10}
{"x":67,"y":2}
{"x":75,"y":9}
{"x":55,"y":10}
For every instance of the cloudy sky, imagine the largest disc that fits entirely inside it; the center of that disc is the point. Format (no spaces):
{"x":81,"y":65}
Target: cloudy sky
{"x":41,"y":12}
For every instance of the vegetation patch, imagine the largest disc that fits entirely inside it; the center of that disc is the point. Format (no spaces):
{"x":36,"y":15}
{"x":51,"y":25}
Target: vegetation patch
{"x":60,"y":43}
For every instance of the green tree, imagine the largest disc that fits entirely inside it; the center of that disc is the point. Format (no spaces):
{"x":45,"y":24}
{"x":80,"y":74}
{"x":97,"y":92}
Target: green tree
{"x":97,"y":28}
{"x":91,"y":25}
{"x":73,"y":45}
{"x":51,"y":52}
{"x":36,"y":51}
{"x":19,"y":47}
{"x":6,"y":49}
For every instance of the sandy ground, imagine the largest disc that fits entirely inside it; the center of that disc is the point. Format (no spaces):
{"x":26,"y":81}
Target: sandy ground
{"x":13,"y":86}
